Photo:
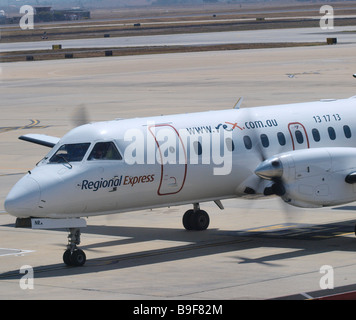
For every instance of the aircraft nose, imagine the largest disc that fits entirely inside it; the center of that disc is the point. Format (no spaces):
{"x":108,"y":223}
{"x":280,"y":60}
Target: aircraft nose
{"x":23,"y":197}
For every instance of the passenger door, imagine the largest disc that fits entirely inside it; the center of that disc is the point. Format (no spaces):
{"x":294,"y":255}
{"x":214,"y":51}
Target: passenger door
{"x":169,"y":146}
{"x":298,"y":136}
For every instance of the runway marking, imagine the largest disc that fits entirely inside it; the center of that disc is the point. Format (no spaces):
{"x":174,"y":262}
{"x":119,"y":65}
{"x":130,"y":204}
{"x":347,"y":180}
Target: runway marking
{"x":10,"y":174}
{"x":272,"y":228}
{"x":34,"y":123}
{"x":336,"y":234}
{"x":342,"y":234}
{"x":13,"y":252}
{"x":306,"y":295}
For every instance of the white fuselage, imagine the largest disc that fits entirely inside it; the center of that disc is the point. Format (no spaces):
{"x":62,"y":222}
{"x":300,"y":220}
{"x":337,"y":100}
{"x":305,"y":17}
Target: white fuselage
{"x":177,"y":159}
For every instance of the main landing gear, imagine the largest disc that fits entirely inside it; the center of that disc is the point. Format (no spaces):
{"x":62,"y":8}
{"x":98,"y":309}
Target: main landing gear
{"x":74,"y":256}
{"x":196,"y":219}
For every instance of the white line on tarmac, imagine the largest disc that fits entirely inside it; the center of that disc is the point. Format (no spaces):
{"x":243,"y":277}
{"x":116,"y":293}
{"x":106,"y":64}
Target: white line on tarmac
{"x":306,"y":295}
{"x":12,"y":252}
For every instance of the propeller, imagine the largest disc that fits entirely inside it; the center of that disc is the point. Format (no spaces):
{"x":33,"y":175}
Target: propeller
{"x":80,"y":116}
{"x":268,"y":175}
{"x":272,"y":169}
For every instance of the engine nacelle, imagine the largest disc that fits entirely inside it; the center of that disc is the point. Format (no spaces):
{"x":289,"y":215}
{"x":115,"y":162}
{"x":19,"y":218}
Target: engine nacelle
{"x":313,"y":177}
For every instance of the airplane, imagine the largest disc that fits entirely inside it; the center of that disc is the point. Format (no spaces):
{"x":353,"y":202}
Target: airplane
{"x":303,"y":153}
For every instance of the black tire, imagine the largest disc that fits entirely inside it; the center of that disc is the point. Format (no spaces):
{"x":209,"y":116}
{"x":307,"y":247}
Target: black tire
{"x":67,"y":257}
{"x":188,"y":220}
{"x":202,"y":220}
{"x":198,"y":220}
{"x":78,"y":258}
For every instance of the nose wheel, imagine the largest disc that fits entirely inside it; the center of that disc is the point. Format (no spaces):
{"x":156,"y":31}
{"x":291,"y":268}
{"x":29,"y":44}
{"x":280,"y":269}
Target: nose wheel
{"x":74,"y":256}
{"x":196,"y":219}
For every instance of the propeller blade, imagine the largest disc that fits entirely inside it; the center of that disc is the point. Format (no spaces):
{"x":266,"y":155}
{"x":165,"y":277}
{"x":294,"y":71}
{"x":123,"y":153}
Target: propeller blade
{"x":268,"y":173}
{"x":80,"y":116}
{"x":277,"y":188}
{"x":256,"y":138}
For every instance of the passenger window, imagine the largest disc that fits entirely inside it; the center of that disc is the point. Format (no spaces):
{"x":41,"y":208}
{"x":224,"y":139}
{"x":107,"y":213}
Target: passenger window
{"x":281,"y":138}
{"x":247,"y":142}
{"x":347,"y":132}
{"x":264,"y":140}
{"x":70,"y":153}
{"x":105,"y":151}
{"x":316,"y":135}
{"x":332,"y":133}
{"x":197,"y":148}
{"x":230,"y":144}
{"x":299,"y":136}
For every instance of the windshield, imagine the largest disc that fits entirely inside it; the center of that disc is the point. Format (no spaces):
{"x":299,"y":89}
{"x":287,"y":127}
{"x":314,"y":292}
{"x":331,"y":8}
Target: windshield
{"x":70,"y":153}
{"x":105,"y":151}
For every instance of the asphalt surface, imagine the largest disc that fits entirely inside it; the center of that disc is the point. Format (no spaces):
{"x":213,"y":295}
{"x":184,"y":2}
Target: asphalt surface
{"x":303,"y":35}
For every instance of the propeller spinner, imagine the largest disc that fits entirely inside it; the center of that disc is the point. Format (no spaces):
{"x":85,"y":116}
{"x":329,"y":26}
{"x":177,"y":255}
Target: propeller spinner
{"x":272,"y":169}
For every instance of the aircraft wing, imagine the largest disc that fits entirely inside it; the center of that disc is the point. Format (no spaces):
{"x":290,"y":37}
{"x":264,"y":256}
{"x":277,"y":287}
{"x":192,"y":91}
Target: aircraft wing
{"x":41,"y":139}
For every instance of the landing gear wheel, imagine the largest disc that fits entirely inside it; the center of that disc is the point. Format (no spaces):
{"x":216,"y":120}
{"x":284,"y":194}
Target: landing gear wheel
{"x":76,"y":258}
{"x":66,"y":257}
{"x":188,"y":220}
{"x":202,"y":220}
{"x":196,"y":220}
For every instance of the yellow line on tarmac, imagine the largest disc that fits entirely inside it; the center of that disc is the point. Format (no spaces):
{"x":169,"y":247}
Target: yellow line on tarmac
{"x":269,"y":228}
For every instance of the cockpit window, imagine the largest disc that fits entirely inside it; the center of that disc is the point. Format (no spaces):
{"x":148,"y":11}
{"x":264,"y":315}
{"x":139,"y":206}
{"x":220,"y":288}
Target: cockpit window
{"x":70,"y":153}
{"x":105,"y":151}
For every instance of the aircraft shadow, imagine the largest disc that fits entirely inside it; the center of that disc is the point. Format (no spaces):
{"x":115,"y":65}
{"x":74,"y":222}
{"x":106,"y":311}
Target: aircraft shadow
{"x":304,"y":240}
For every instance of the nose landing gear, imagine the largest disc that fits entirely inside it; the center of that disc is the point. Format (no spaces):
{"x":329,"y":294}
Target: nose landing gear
{"x":74,"y":256}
